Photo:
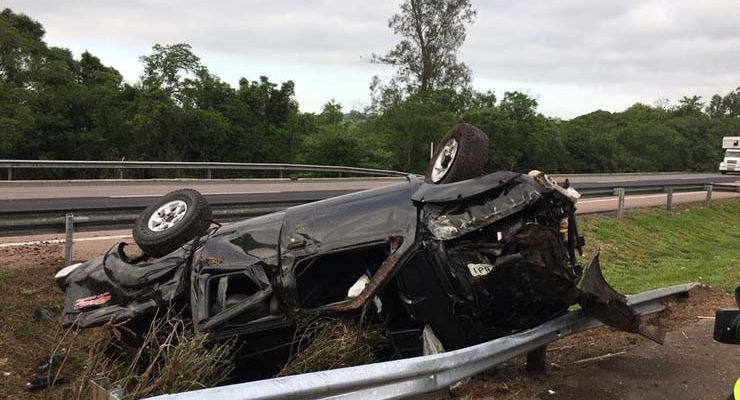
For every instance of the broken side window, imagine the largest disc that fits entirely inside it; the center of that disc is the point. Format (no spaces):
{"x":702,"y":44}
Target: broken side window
{"x":332,"y":278}
{"x":238,"y":297}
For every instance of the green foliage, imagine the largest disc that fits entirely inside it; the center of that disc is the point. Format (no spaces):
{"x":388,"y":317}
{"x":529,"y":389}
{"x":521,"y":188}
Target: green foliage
{"x":53,"y":106}
{"x":725,"y":107}
{"x":336,"y":141}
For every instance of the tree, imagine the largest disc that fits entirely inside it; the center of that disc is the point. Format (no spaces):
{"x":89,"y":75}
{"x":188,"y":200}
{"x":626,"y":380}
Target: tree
{"x":163,"y":69}
{"x":332,"y":140}
{"x":731,"y":102}
{"x":21,"y":47}
{"x":689,"y":105}
{"x":408,"y":128}
{"x":521,"y":139}
{"x":426,"y":57}
{"x":716,"y":108}
{"x":724,"y":106}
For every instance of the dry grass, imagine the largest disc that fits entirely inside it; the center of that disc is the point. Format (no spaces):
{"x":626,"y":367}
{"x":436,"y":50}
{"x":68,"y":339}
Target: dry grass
{"x":170,"y":359}
{"x":328,"y":343}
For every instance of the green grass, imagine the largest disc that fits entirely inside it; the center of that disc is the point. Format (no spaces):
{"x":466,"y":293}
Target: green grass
{"x":653,"y":248}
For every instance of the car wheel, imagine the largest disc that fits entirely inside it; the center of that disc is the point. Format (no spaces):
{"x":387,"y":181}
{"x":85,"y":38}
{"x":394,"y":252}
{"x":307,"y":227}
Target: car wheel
{"x":174,"y":219}
{"x":461,"y":154}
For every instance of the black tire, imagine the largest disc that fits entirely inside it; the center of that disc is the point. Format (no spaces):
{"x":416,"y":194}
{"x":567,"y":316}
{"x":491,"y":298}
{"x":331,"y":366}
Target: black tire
{"x":194,"y":223}
{"x":723,"y":172}
{"x":471,"y":156}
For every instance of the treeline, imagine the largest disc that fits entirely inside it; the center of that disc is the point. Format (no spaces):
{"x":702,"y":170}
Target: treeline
{"x":53,"y":106}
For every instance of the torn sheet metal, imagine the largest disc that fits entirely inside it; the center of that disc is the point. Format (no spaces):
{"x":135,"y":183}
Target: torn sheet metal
{"x":453,"y":219}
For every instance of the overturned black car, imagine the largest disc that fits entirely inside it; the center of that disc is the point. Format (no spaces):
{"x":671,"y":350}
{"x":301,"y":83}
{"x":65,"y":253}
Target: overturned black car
{"x":473,"y":260}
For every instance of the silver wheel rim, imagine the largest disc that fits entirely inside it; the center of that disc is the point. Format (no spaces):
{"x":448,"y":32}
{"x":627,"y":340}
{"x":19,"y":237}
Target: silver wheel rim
{"x":167,"y":216}
{"x":444,"y":160}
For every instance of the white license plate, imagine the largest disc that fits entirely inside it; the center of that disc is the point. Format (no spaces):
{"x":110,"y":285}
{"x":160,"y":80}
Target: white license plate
{"x":480,"y":269}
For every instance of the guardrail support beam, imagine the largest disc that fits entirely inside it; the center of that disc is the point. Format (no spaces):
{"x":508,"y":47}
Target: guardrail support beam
{"x":536,"y":360}
{"x":620,"y":203}
{"x":669,"y":198}
{"x":68,"y":231}
{"x":708,"y":200}
{"x":10,"y":174}
{"x":120,"y":173}
{"x":210,"y":175}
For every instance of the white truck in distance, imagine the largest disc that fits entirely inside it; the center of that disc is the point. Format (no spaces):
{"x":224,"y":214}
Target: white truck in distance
{"x":731,"y":163}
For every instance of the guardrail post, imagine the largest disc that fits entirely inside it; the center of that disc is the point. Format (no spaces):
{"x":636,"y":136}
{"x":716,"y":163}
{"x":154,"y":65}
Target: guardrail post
{"x":708,"y":200}
{"x":620,"y":203}
{"x":100,"y":390}
{"x":120,"y":173}
{"x":669,"y":198}
{"x":10,"y":174}
{"x":536,"y":360}
{"x":68,"y":230}
{"x":209,"y":173}
{"x":281,"y":174}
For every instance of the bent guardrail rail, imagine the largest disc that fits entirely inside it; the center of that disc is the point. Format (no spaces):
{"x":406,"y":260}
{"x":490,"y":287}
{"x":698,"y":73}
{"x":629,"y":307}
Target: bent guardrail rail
{"x":9,"y":165}
{"x":421,"y":375}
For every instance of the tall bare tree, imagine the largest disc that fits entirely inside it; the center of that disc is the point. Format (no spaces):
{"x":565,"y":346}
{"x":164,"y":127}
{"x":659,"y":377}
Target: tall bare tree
{"x":426,"y":57}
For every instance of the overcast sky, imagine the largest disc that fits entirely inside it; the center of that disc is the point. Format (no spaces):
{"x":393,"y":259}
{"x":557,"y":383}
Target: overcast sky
{"x":573,"y":56}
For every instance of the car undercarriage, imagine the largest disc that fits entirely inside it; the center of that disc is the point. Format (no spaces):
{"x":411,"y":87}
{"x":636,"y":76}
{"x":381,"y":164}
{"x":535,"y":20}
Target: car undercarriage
{"x":470,"y":261}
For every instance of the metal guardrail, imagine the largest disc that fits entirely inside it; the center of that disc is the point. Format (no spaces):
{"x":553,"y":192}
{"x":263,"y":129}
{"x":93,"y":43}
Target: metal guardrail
{"x":55,"y":220}
{"x":621,"y":192}
{"x":65,"y":220}
{"x":9,"y":165}
{"x":417,"y":376}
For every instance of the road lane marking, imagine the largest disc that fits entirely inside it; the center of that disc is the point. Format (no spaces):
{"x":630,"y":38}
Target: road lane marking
{"x":59,"y":241}
{"x":226,"y":193}
{"x":125,"y":196}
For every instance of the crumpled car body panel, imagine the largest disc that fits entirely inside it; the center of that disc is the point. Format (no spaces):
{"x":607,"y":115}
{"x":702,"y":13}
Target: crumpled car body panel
{"x":134,"y":290}
{"x":352,"y":219}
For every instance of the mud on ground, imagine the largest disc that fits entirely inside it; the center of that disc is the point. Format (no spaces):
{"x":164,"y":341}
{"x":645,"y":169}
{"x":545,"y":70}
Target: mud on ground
{"x":598,"y":364}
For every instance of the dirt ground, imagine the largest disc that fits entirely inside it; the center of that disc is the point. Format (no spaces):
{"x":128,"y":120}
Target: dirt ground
{"x":610,"y":365}
{"x":598,"y":364}
{"x":27,"y":284}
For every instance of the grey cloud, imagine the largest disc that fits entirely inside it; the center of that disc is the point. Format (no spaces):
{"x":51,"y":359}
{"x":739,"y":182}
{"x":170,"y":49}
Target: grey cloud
{"x":646,"y":42}
{"x":644,"y":49}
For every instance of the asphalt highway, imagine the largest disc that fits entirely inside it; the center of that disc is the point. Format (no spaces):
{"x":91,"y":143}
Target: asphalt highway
{"x":30,"y":196}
